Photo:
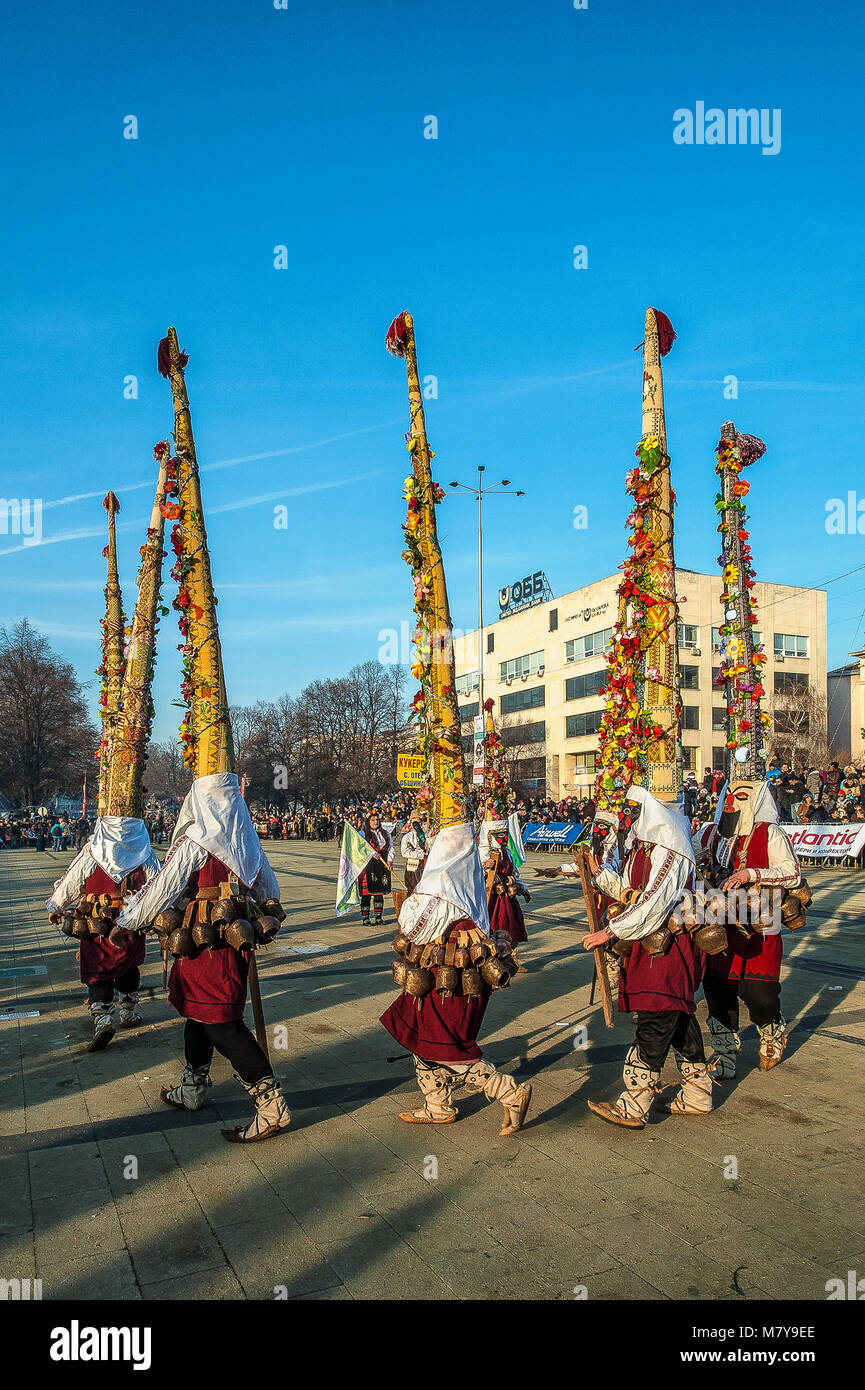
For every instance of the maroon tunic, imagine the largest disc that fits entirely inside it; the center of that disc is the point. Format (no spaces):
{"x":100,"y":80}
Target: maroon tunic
{"x":756,"y":957}
{"x":506,"y":914}
{"x":443,"y":1029}
{"x":99,"y":959}
{"x":655,"y":984}
{"x":210,"y":985}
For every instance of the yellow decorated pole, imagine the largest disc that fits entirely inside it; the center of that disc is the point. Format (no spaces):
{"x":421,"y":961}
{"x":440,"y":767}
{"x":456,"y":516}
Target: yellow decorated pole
{"x":434,"y":664}
{"x":129,"y":746}
{"x":206,"y":731}
{"x":113,"y":663}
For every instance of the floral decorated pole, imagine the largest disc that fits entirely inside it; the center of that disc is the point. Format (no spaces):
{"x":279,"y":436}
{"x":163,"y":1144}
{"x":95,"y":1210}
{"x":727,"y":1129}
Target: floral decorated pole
{"x":129,"y":748}
{"x":205,"y":731}
{"x":640,"y":739}
{"x":742,"y":660}
{"x":435,"y":705}
{"x":497,"y":789}
{"x":113,"y":658}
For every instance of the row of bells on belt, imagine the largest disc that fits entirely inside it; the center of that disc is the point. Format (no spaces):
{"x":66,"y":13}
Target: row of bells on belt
{"x":508,"y":888}
{"x":473,"y":966}
{"x":220,"y":919}
{"x":709,"y":937}
{"x":92,"y":917}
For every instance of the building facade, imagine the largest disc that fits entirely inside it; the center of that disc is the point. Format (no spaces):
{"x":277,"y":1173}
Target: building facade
{"x":847,"y":709}
{"x":544,"y":665}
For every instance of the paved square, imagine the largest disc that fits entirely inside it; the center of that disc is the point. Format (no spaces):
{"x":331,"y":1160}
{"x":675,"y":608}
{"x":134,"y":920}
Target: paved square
{"x":104,"y":1191}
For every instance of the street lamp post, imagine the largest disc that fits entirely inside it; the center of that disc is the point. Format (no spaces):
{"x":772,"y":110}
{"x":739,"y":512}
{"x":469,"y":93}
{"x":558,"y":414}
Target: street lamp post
{"x":480,"y":492}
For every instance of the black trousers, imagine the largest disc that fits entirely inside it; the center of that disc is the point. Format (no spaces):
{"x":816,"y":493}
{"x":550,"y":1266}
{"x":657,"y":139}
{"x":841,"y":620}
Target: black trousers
{"x":233,"y":1040}
{"x":377,"y":902}
{"x":658,"y":1032}
{"x":762,"y":999}
{"x":102,"y":991}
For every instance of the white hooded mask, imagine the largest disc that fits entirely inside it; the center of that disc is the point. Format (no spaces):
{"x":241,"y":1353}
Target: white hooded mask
{"x":753,"y":801}
{"x":451,"y":886}
{"x":121,"y":844}
{"x":486,"y":844}
{"x":215,"y":816}
{"x":660,"y":823}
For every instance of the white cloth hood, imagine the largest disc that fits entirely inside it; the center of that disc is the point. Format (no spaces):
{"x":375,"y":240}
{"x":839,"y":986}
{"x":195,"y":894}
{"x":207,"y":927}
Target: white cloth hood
{"x":215,"y":816}
{"x":451,"y":886}
{"x":489,"y":827}
{"x":758,"y":809}
{"x":659,"y":824}
{"x":121,"y":844}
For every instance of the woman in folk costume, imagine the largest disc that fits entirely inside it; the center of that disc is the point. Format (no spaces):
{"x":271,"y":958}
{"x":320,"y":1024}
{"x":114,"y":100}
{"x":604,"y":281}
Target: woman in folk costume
{"x":215,"y":898}
{"x":374,"y":882}
{"x":414,"y":848}
{"x":639,"y":738}
{"x":746,"y":846}
{"x":504,"y":884}
{"x":446,"y":962}
{"x":118,"y":859}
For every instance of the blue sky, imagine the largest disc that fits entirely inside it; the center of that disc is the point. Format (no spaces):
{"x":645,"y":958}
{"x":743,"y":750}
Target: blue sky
{"x":304,"y":127}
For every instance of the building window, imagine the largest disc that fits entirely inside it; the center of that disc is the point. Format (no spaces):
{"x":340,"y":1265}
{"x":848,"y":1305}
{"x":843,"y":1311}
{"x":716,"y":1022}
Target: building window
{"x":719,"y":721}
{"x":690,"y":677}
{"x":530,"y":775}
{"x":523,"y":699}
{"x":593,"y":644}
{"x":469,"y":711}
{"x":464,"y":685}
{"x":585,"y":764}
{"x":719,"y":756}
{"x":554,"y":620}
{"x":689,"y":759}
{"x":716,"y":639}
{"x":522,"y":666}
{"x":491,"y":641}
{"x":689,"y":636}
{"x":515,"y":734}
{"x":582,"y":687}
{"x":790,"y":682}
{"x":578,"y":725}
{"x":716,"y":671}
{"x":786,"y":644}
{"x":690,"y":716}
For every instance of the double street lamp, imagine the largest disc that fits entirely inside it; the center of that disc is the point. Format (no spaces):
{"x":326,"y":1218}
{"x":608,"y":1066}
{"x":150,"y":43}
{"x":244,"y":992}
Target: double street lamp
{"x":480,"y":492}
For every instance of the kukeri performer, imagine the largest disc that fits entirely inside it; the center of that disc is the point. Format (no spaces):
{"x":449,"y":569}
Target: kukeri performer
{"x":446,"y":962}
{"x":745,"y":846}
{"x":640,"y":738}
{"x":374,"y":881}
{"x":216,"y":897}
{"x":504,"y":884}
{"x":117,"y":859}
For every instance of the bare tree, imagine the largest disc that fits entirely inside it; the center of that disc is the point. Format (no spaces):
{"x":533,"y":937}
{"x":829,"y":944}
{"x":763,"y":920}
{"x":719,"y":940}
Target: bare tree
{"x":48,"y":740}
{"x":799,"y":725}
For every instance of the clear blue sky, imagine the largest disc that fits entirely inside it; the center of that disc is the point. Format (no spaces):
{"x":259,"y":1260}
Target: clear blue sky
{"x":305,"y":127}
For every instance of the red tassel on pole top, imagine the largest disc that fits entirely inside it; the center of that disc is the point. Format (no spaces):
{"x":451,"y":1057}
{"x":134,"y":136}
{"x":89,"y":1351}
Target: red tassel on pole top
{"x":666,"y":333}
{"x":110,"y":503}
{"x":163,"y":359}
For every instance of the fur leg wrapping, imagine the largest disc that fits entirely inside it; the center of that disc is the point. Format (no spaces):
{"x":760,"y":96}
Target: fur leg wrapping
{"x":191,"y":1092}
{"x":271,"y":1112}
{"x":633,"y":1105}
{"x":103,"y":1026}
{"x":497,"y":1085}
{"x":726,"y":1044}
{"x":437,"y":1088}
{"x":773,"y":1040}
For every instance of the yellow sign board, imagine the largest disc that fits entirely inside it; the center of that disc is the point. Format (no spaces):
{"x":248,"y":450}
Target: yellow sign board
{"x":410,"y":769}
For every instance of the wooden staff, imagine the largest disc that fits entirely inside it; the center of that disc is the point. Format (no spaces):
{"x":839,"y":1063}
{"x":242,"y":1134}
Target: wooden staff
{"x":257,"y":1010}
{"x":586,"y":865}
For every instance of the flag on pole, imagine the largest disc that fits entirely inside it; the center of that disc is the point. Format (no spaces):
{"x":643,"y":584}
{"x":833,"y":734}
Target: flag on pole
{"x":353,"y":859}
{"x":516,"y":849}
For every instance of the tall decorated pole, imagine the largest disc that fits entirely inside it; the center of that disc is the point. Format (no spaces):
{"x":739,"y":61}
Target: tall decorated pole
{"x":435,"y":705}
{"x":206,"y":731}
{"x":742,"y":659}
{"x":113,"y":660}
{"x":640,"y":739}
{"x":129,"y":747}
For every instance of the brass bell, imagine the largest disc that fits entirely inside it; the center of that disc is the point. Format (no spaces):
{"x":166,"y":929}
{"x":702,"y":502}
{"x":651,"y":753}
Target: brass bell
{"x":239,"y":934}
{"x":657,"y":943}
{"x":67,"y":925}
{"x":418,"y":981}
{"x":495,"y":974}
{"x":81,"y":928}
{"x":168,"y":921}
{"x":623,"y":948}
{"x":472,"y":982}
{"x":461,"y":958}
{"x":478,"y":952}
{"x":274,"y":908}
{"x":180,"y":942}
{"x":223,"y":912}
{"x":399,"y":943}
{"x":268,"y":927}
{"x":203,"y":934}
{"x":711,"y":938}
{"x":100,"y":926}
{"x":399,"y":970}
{"x":104,"y":899}
{"x":448,"y":980}
{"x":413,"y":952}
